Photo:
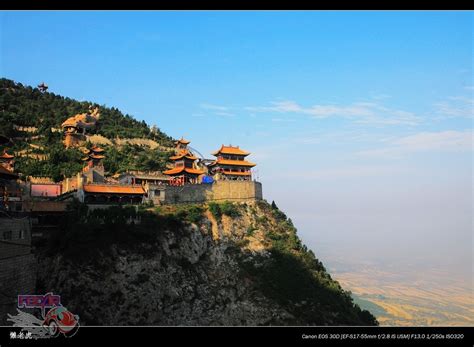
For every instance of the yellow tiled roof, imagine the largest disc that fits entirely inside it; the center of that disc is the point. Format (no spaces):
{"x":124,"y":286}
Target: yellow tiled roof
{"x":230,"y":150}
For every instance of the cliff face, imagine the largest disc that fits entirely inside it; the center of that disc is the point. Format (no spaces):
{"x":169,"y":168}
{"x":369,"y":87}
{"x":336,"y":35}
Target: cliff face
{"x":227,"y":264}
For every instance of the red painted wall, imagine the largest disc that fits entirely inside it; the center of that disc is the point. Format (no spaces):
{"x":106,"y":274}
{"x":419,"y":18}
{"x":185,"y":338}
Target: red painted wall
{"x":45,"y":190}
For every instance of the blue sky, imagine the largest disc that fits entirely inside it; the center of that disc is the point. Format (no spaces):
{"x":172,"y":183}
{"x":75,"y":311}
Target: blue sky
{"x":360,"y":122}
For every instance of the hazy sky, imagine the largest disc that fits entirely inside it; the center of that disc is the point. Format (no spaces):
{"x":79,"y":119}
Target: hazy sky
{"x":360,"y":122}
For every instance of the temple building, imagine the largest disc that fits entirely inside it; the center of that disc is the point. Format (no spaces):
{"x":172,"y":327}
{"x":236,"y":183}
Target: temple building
{"x":94,"y":169}
{"x":154,"y":183}
{"x":112,"y":194}
{"x":95,"y":189}
{"x":75,"y":127}
{"x":10,"y":192}
{"x":182,"y":144}
{"x":184,"y":162}
{"x":143,"y":178}
{"x":231,"y":164}
{"x":7,"y":161}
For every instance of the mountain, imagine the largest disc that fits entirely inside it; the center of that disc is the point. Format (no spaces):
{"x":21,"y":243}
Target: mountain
{"x":27,"y":106}
{"x":32,"y":119}
{"x":210,"y":264}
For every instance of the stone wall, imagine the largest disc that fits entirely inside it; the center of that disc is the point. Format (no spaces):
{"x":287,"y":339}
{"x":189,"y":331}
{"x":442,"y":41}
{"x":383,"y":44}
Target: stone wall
{"x":70,"y":184}
{"x":237,"y":190}
{"x":20,"y":240}
{"x":17,"y":265}
{"x":156,"y":193}
{"x":189,"y":193}
{"x":218,"y":191}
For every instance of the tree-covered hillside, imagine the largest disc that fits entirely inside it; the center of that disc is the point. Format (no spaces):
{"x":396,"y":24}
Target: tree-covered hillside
{"x":40,"y":151}
{"x":28,"y":106}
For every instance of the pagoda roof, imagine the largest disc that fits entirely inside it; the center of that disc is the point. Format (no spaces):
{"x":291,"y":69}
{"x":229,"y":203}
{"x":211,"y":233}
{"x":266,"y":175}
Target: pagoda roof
{"x":94,"y":156}
{"x":232,"y":162}
{"x":70,"y":122}
{"x":5,"y":172}
{"x":5,"y":155}
{"x":183,"y":141}
{"x":230,"y":150}
{"x":237,"y":173}
{"x":183,"y":155}
{"x":113,"y":189}
{"x":178,"y":170}
{"x":83,"y":120}
{"x":96,"y":149}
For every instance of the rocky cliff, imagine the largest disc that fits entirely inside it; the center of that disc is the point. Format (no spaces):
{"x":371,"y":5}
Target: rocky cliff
{"x":213,"y":264}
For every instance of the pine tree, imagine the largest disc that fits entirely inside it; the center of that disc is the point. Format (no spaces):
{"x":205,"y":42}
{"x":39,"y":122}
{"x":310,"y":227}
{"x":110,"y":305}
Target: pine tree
{"x":274,"y":206}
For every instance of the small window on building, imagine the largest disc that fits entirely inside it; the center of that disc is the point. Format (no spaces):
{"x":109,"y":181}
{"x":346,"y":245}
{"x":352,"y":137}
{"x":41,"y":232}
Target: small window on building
{"x":7,"y":235}
{"x":157,"y":192}
{"x":21,"y":234}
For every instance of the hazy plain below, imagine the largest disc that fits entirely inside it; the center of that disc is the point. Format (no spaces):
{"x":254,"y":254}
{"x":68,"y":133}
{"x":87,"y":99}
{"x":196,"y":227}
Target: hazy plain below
{"x":404,"y":292}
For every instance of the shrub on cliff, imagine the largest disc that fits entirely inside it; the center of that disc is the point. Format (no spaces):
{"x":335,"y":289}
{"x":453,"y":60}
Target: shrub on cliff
{"x":215,"y":209}
{"x":230,"y":209}
{"x":295,"y":278}
{"x":227,"y":208}
{"x":191,"y":213}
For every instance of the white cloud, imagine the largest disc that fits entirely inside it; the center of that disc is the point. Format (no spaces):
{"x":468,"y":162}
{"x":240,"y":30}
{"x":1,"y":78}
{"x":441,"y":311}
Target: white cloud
{"x":278,"y":106}
{"x":360,"y":112}
{"x":350,"y":137}
{"x":214,"y":107}
{"x":224,"y":114}
{"x":317,"y":111}
{"x":344,"y":172}
{"x":445,"y":140}
{"x":217,"y":110}
{"x":456,"y":106}
{"x":450,"y":140}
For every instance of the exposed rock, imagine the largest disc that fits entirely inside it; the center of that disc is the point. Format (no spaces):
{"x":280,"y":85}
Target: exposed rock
{"x":197,"y":274}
